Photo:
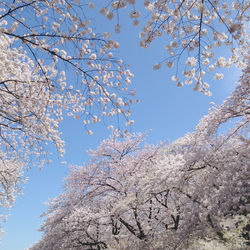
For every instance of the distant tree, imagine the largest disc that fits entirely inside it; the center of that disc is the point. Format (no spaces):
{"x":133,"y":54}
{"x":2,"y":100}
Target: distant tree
{"x":191,"y":193}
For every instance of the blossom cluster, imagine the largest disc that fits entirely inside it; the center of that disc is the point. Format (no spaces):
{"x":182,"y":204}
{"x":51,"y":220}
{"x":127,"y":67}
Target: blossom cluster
{"x":195,"y":30}
{"x":191,"y":25}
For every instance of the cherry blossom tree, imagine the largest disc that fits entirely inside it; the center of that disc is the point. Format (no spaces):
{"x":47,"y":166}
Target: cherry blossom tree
{"x":36,"y":52}
{"x":52,"y":63}
{"x":210,"y":182}
{"x":191,"y":194}
{"x":194,"y":30}
{"x":88,"y":215}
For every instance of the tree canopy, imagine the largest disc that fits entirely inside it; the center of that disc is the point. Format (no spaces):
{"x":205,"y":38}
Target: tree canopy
{"x":45,"y":43}
{"x":160,"y":197}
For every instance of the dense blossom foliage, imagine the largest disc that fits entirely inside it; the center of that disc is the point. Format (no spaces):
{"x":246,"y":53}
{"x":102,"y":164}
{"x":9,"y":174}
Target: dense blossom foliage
{"x":191,"y":194}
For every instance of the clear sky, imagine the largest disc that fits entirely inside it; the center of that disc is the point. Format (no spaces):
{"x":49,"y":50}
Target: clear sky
{"x":169,"y":112}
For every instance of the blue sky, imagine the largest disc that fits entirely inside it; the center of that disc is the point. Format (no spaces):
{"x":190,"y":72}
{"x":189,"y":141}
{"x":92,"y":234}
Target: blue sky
{"x":169,"y":112}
